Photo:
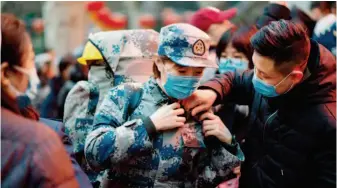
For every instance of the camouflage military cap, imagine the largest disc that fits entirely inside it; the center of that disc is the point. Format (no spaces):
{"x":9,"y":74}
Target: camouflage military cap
{"x":186,"y":45}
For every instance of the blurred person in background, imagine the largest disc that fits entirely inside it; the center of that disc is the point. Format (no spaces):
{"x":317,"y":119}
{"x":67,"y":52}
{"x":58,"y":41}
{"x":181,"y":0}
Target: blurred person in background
{"x":320,"y":9}
{"x":234,"y":50}
{"x":65,"y":67}
{"x":83,"y":69}
{"x":292,"y":96}
{"x":333,"y":8}
{"x":277,"y":10}
{"x":49,"y":108}
{"x":320,"y":26}
{"x":300,"y":16}
{"x":325,"y":29}
{"x":234,"y":53}
{"x":32,"y":155}
{"x":274,"y":11}
{"x":45,"y":72}
{"x":78,"y":72}
{"x":214,"y":22}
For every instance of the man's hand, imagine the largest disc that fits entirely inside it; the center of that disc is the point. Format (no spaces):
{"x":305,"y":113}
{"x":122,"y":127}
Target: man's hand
{"x":237,"y":170}
{"x":167,"y":117}
{"x":213,"y":126}
{"x":200,"y":101}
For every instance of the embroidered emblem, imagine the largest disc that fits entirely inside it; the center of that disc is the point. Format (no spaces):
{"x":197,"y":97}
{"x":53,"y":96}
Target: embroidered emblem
{"x":199,"y":48}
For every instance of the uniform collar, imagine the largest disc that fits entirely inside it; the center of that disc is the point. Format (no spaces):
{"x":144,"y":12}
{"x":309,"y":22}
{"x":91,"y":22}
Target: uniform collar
{"x":158,"y":95}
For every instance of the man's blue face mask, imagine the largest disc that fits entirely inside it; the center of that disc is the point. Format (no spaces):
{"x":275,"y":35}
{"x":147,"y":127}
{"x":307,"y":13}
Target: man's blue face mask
{"x":267,"y":89}
{"x":181,"y":87}
{"x":230,"y":64}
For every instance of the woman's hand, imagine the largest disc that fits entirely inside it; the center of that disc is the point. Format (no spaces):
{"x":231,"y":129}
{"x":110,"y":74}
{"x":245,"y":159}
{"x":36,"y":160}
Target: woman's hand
{"x":167,"y":117}
{"x":213,"y":126}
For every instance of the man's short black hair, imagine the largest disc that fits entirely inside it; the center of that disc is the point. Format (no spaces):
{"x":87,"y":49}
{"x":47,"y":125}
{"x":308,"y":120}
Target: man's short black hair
{"x":66,"y":61}
{"x":315,"y":4}
{"x":324,"y":6}
{"x":283,"y":41}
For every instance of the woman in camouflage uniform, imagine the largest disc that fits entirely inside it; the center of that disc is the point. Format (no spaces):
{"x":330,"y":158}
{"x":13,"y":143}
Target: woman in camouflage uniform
{"x":155,"y":143}
{"x":111,"y":58}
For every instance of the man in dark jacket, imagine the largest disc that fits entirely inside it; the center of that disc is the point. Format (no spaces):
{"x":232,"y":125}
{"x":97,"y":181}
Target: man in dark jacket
{"x":292,"y":97}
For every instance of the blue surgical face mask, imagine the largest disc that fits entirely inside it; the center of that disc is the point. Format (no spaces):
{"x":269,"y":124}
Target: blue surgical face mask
{"x":181,"y":87}
{"x":230,"y":64}
{"x":267,"y":89}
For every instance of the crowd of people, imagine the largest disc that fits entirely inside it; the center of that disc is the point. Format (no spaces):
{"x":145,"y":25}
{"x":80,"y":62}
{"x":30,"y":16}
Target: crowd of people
{"x":56,"y":82}
{"x":201,"y":104}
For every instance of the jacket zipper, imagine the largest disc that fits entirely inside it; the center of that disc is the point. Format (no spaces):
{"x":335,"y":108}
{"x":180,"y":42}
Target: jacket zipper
{"x":282,"y":177}
{"x":265,"y":124}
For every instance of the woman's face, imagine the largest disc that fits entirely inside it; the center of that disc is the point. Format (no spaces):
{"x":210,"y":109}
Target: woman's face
{"x":177,"y":81}
{"x":18,"y":79}
{"x":231,"y":52}
{"x":170,"y":67}
{"x":138,"y":70}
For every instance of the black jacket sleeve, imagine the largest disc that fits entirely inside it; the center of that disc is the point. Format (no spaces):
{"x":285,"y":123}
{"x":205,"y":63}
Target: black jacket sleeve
{"x":232,"y":87}
{"x":273,"y":12}
{"x":324,"y":157}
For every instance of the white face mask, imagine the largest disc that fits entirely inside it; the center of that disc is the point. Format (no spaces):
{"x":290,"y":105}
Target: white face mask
{"x":98,"y":75}
{"x":33,"y":82}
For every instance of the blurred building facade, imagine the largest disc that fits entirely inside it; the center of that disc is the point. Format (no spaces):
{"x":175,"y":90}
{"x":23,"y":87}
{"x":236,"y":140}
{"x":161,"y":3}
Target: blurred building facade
{"x":66,"y":24}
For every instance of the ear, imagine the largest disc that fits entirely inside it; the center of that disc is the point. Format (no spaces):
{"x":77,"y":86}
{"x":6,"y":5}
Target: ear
{"x":4,"y":78}
{"x":297,"y":76}
{"x":160,"y":64}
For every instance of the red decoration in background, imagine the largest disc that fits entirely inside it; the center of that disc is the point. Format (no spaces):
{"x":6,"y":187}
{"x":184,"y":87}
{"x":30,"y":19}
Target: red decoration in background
{"x":104,"y":18}
{"x":95,"y":6}
{"x":118,"y":20}
{"x":147,"y":21}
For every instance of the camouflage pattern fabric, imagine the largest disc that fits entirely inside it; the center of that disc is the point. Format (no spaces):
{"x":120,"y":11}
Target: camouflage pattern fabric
{"x":120,"y":49}
{"x":119,"y":143}
{"x":186,"y":45}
